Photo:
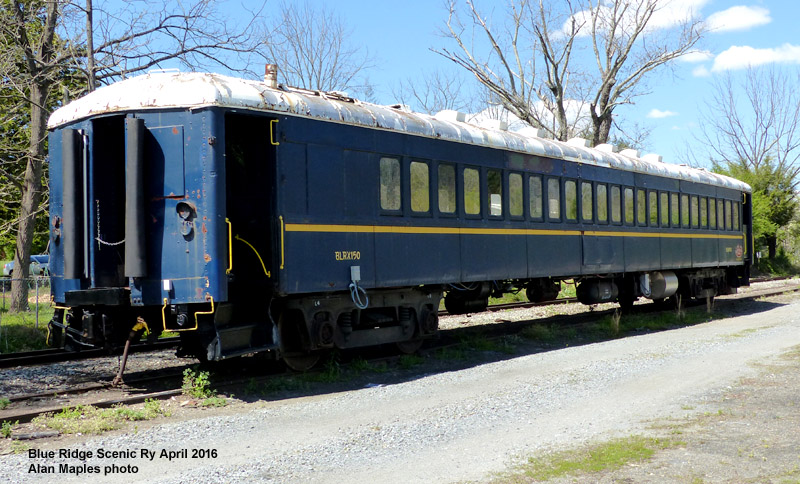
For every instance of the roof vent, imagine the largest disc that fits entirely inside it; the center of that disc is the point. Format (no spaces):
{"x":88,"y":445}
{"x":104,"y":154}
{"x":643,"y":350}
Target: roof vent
{"x":495,"y":124}
{"x":533,"y":132}
{"x":582,"y":142}
{"x":271,"y":75}
{"x":652,"y":157}
{"x":630,"y":152}
{"x":450,"y":115}
{"x":607,"y":148}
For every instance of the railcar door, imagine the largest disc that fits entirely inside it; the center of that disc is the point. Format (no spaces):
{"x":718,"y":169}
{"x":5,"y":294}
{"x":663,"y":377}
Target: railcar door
{"x":249,"y":168}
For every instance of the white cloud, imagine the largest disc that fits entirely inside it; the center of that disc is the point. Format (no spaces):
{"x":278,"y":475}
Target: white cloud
{"x":741,"y":57}
{"x":696,"y":56}
{"x":675,"y":128}
{"x":738,"y":18}
{"x":668,"y":14}
{"x":659,"y":114}
{"x":701,"y":71}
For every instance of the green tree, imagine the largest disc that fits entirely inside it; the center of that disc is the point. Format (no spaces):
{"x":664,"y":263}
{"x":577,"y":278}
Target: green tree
{"x":774,"y":199}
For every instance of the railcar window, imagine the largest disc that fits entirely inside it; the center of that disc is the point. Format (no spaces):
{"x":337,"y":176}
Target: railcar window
{"x":728,"y":221}
{"x":685,"y":210}
{"x":653,"y":199}
{"x":703,"y":212}
{"x":571,"y":197}
{"x":674,"y":210}
{"x":664,"y":209}
{"x":616,"y":204}
{"x":736,"y":216}
{"x":535,"y":189}
{"x":472,"y":191}
{"x":420,"y":187}
{"x":641,"y":207}
{"x":586,"y":201}
{"x":390,"y":184}
{"x":720,"y":214}
{"x":495,"y":184}
{"x":447,"y":188}
{"x":553,"y":198}
{"x":695,"y":212}
{"x":629,"y":206}
{"x":712,"y":213}
{"x":602,"y":203}
{"x":515,"y":194}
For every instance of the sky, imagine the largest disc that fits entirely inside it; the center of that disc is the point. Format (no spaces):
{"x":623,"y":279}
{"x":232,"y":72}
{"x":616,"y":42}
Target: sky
{"x":400,"y":35}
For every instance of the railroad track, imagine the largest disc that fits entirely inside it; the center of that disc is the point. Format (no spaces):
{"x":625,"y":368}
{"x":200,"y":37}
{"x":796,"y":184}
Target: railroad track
{"x":56,"y":355}
{"x":24,"y":408}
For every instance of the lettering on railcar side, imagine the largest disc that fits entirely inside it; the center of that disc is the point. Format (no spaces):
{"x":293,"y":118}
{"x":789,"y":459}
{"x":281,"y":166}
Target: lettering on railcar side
{"x":347,"y":255}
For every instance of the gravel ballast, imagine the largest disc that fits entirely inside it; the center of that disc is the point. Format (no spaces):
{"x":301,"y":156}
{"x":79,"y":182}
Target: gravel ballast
{"x":450,"y":426}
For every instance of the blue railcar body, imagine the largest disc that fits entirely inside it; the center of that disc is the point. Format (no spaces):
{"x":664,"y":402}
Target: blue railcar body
{"x":268,"y":216}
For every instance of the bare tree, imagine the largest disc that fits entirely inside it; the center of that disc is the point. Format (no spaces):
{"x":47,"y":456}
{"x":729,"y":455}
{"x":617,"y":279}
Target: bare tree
{"x":312,"y":50}
{"x":46,"y":47}
{"x":534,"y":60}
{"x":756,"y":120}
{"x":435,"y":91}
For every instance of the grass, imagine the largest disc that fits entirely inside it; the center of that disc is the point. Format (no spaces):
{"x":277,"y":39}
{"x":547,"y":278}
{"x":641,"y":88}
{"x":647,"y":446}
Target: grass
{"x":609,"y":455}
{"x":18,"y":331}
{"x":6,"y":428}
{"x":86,"y":419}
{"x":4,"y":403}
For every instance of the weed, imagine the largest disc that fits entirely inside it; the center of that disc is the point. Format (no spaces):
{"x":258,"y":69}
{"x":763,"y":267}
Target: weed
{"x":251,"y":388}
{"x":614,"y":324}
{"x":538,"y":332}
{"x":609,"y":455}
{"x":196,"y":384}
{"x":6,"y":428}
{"x":451,"y":353}
{"x":4,"y":403}
{"x":360,"y":365}
{"x":478,"y":342}
{"x":214,"y":402}
{"x":407,"y":362}
{"x":86,"y":419}
{"x":284,"y":384}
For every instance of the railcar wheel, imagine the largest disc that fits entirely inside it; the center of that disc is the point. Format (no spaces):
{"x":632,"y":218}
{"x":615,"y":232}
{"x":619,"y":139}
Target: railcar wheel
{"x":409,"y":347}
{"x":294,"y":342}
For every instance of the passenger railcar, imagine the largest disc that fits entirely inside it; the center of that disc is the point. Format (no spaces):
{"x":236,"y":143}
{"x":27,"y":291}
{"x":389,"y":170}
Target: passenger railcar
{"x":250,"y":216}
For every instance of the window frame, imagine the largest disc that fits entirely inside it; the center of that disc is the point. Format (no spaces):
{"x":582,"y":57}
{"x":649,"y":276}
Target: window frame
{"x":390,"y":211}
{"x":463,"y":200}
{"x":557,"y":184}
{"x":542,"y":198}
{"x":439,"y":212}
{"x":574,"y":183}
{"x":412,"y":212}
{"x":619,"y":205}
{"x":597,"y":204}
{"x":488,"y":199}
{"x":521,"y":176}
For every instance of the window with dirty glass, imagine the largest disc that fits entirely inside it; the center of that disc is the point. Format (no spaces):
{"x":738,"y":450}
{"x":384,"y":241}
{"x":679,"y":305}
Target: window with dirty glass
{"x":390,"y":184}
{"x":712,"y":213}
{"x":472,"y":191}
{"x":602,"y":202}
{"x":721,"y":214}
{"x":685,"y":210}
{"x":447,"y":188}
{"x":553,"y":198}
{"x":616,"y":204}
{"x":728,"y":216}
{"x":571,"y":199}
{"x":664,"y":209}
{"x":653,"y":207}
{"x":515,"y":203}
{"x":736,"y":216}
{"x":629,"y":206}
{"x":695,"y":211}
{"x":703,"y":212}
{"x":674,"y":210}
{"x":535,"y":189}
{"x":420,"y":187}
{"x":586,"y":201}
{"x":494,"y":181}
{"x":641,"y":207}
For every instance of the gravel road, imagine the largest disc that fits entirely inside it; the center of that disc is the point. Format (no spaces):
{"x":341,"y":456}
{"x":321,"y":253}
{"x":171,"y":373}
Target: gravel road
{"x":451,"y":426}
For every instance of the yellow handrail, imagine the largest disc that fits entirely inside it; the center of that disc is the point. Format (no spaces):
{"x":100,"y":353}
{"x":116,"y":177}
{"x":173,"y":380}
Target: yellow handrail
{"x":266,"y":272}
{"x":230,"y":246}
{"x":271,"y":134}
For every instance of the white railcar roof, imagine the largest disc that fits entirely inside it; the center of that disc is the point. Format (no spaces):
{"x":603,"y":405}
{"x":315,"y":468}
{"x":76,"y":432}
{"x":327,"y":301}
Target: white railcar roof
{"x":197,"y":90}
